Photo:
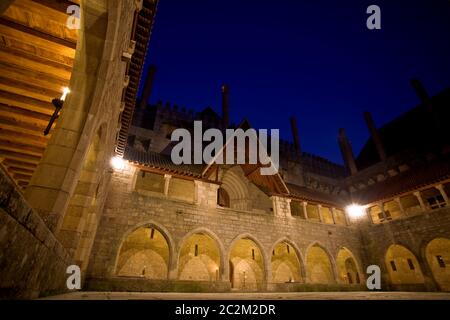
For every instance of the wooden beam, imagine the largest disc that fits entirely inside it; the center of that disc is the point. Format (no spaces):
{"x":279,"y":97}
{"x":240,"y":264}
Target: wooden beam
{"x":19,"y":164}
{"x":22,"y":177}
{"x":21,"y":170}
{"x":20,"y":139}
{"x":40,"y":79}
{"x":35,"y":63}
{"x":11,"y":121}
{"x":13,"y":127}
{"x":56,"y":5}
{"x":42,"y":36}
{"x":19,"y":156}
{"x":12,"y":99}
{"x":21,"y":148}
{"x":27,"y":90}
{"x":22,"y":113}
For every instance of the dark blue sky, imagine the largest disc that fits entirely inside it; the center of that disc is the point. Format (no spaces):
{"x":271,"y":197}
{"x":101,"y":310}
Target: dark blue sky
{"x":314,"y":59}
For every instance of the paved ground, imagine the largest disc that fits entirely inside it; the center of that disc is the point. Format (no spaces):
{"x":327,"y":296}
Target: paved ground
{"x":254,"y":296}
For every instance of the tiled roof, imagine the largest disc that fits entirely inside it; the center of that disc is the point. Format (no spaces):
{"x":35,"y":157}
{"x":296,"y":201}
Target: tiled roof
{"x":308,"y":194}
{"x":412,"y":179}
{"x":162,"y":162}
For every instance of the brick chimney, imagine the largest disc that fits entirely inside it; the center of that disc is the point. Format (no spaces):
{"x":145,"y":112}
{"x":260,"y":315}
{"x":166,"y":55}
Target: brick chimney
{"x":148,"y":86}
{"x":295,"y":135}
{"x":375,"y":136}
{"x":347,"y":152}
{"x":225,"y":107}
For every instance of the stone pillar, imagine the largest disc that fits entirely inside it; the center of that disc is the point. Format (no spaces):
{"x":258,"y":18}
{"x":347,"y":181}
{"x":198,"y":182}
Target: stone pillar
{"x":56,"y":175}
{"x":347,"y":221}
{"x":166,"y":184}
{"x":304,"y":204}
{"x":440,"y":187}
{"x":419,"y":197}
{"x":400,"y":205}
{"x":281,"y":206}
{"x":381,"y":206}
{"x":206,"y":193}
{"x":333,"y":214}
{"x":369,"y":215}
{"x":319,"y":208}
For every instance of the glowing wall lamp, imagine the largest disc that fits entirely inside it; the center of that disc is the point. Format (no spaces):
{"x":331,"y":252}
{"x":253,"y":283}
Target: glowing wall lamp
{"x":355,"y":211}
{"x":117,"y":163}
{"x":58,"y":104}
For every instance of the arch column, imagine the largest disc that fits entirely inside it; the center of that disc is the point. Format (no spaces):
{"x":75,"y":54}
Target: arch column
{"x":54,"y":179}
{"x":430,"y":282}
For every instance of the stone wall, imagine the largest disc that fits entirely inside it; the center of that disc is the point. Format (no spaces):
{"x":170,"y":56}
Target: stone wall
{"x":32,"y":261}
{"x":126,"y":210}
{"x":413,"y":233}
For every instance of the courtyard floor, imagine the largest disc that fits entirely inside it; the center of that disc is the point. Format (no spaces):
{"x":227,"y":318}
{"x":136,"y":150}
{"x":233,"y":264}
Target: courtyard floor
{"x":83,"y":295}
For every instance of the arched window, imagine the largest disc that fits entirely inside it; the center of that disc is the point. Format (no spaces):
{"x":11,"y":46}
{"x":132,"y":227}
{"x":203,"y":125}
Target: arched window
{"x":223,"y":199}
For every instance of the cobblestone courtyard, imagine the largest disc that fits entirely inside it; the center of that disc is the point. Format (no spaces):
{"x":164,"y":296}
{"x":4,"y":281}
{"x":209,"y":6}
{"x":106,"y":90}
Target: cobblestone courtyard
{"x":254,"y":296}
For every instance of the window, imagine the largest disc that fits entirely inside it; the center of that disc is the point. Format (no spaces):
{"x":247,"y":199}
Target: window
{"x":388,"y":215}
{"x":223,"y":199}
{"x":253,"y":254}
{"x":411,"y":264}
{"x":349,"y":276}
{"x":436,"y":202}
{"x":287,"y":246}
{"x":196,"y":250}
{"x":152,"y":233}
{"x":393,"y":266}
{"x":441,"y":261}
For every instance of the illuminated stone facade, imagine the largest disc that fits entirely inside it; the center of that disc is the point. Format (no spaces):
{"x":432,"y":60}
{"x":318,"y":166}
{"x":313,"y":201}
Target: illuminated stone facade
{"x":153,"y":226}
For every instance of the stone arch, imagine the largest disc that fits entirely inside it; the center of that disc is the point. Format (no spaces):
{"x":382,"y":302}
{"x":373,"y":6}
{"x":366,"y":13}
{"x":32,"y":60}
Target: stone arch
{"x":236,"y":188}
{"x":403,"y":266}
{"x":293,"y":265}
{"x":83,"y":204}
{"x":320,"y":267}
{"x":248,"y":263}
{"x":348,"y":268}
{"x":206,"y":262}
{"x":437,"y":254}
{"x":163,"y":235}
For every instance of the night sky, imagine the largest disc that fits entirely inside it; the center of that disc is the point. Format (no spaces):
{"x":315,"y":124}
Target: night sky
{"x":314,"y":59}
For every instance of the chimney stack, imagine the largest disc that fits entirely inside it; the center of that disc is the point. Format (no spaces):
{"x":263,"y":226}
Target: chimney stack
{"x":375,"y":136}
{"x":426,"y":102}
{"x":148,"y":86}
{"x":420,"y":90}
{"x":295,"y":135}
{"x":347,"y":152}
{"x":225,"y":107}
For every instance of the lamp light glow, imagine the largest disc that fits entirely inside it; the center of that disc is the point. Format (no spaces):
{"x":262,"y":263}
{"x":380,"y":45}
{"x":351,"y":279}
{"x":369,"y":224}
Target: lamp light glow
{"x":118,"y":163}
{"x":66,"y":91}
{"x":355,"y":210}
